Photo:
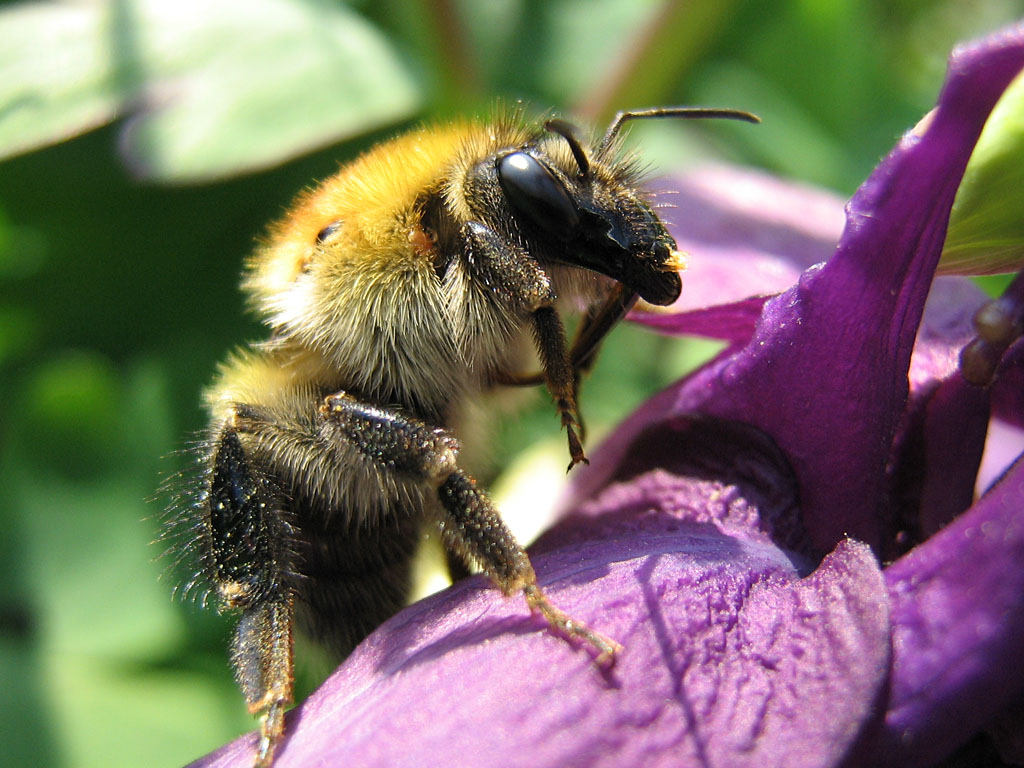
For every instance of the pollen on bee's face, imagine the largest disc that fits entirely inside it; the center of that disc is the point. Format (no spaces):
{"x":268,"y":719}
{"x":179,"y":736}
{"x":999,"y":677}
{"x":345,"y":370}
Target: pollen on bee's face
{"x":677,"y":261}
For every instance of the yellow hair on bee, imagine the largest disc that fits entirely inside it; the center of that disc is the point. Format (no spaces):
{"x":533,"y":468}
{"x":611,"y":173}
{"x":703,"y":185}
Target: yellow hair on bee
{"x":374,"y":200}
{"x":349,"y":272}
{"x":368,"y":199}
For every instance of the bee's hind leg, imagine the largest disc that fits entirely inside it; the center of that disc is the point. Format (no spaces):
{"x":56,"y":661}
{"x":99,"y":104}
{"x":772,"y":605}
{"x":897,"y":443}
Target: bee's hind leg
{"x":249,"y":564}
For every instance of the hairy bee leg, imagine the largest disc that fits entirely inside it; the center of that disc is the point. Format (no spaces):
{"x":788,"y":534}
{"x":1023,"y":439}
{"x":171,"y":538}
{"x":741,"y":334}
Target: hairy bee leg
{"x":472,"y":526}
{"x":562,"y":377}
{"x":607,"y":649}
{"x":524,"y":287}
{"x":507,"y":270}
{"x":261,"y":654}
{"x":394,"y":441}
{"x":248,"y":562}
{"x":598,"y":324}
{"x":456,"y":566}
{"x":477,"y":530}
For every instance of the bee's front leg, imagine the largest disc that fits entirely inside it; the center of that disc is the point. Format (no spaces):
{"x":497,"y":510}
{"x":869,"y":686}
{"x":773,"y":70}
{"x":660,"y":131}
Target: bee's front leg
{"x":562,"y":378}
{"x":472,"y":526}
{"x":523,"y":286}
{"x":249,"y":563}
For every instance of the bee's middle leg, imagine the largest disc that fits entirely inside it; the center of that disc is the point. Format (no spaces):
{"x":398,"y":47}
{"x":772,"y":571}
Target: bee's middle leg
{"x":472,"y":526}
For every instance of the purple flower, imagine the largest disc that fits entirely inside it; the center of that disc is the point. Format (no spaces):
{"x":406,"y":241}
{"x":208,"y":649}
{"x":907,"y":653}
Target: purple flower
{"x":787,"y":543}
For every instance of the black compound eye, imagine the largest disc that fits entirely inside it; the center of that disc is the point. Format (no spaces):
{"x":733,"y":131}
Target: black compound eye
{"x":534,"y":192}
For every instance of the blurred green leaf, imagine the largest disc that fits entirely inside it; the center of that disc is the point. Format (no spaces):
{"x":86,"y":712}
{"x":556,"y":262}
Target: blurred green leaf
{"x":986,"y":229}
{"x":594,"y":38}
{"x":57,"y":74}
{"x":69,"y":415}
{"x":28,"y":730}
{"x":213,"y":91}
{"x":85,"y":543}
{"x":79,"y":464}
{"x":79,"y":459}
{"x":791,"y":138}
{"x":108,"y":715}
{"x":22,"y":250}
{"x":19,"y":331}
{"x":228,"y":96}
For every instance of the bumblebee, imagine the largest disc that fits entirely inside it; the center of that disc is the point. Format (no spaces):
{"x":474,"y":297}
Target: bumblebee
{"x":395,"y":292}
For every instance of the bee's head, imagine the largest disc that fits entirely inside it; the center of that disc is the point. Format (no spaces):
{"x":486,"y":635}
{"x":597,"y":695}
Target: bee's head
{"x":578,"y":203}
{"x":580,"y":208}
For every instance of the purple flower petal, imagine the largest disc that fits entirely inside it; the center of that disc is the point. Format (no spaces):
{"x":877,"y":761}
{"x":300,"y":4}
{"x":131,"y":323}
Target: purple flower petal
{"x":1008,"y":399}
{"x":1006,"y":430}
{"x":730,"y":658}
{"x":939,"y":444}
{"x":958,"y":620}
{"x":953,"y":440}
{"x":750,"y":233}
{"x":1006,"y":433}
{"x":753,"y":234}
{"x":734,"y":322}
{"x":825,"y":371}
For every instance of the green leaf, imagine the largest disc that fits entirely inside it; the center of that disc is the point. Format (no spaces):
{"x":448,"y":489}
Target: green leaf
{"x":57,"y":76}
{"x":90,"y":636}
{"x":659,"y":51}
{"x":986,"y":229}
{"x":229,"y":91}
{"x":215,"y":88}
{"x":80,"y":462}
{"x":106,"y":714}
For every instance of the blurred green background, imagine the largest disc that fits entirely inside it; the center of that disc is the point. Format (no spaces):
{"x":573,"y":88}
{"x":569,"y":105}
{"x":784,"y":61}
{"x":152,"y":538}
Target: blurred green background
{"x":147,"y":143}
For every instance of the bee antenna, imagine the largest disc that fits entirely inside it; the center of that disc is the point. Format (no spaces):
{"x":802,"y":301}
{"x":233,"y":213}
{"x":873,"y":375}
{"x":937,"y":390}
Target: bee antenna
{"x":621,"y":118}
{"x":570,"y":133}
